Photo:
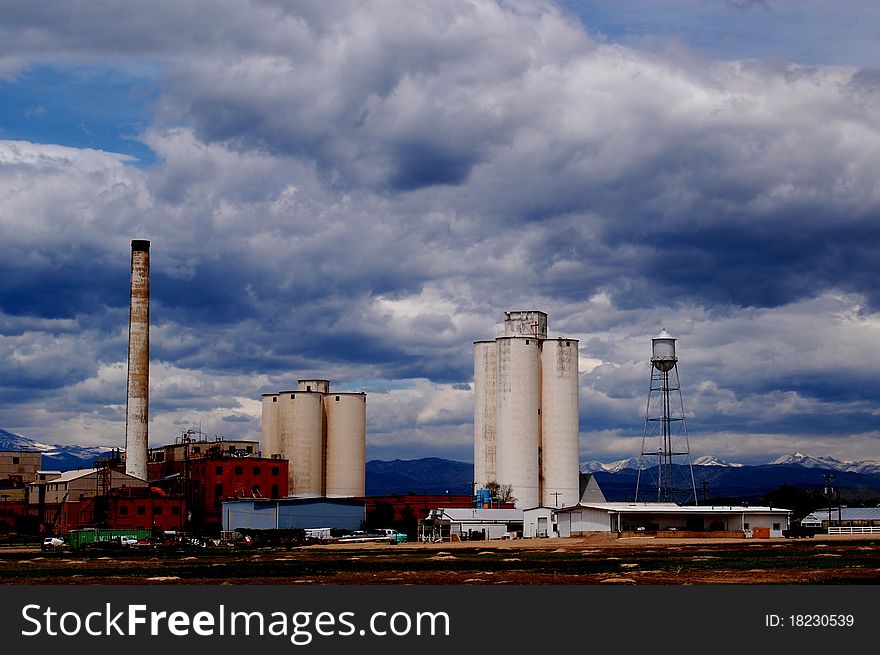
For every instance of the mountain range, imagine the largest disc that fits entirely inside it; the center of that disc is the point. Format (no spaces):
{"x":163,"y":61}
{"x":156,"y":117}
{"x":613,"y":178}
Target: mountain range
{"x":55,"y":457}
{"x":434,"y":475}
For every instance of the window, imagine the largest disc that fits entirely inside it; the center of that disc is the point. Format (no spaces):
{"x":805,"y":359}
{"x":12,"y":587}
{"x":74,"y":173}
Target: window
{"x":218,"y":470}
{"x":249,"y":449}
{"x":16,"y":460}
{"x":527,"y":342}
{"x":337,"y":398}
{"x":275,"y":491}
{"x":157,"y":510}
{"x":238,"y":470}
{"x":123,"y":510}
{"x":292,"y":396}
{"x":275,"y":470}
{"x":274,"y":399}
{"x":256,"y":470}
{"x":141,"y":510}
{"x":308,"y":387}
{"x":197,"y":450}
{"x":745,"y":526}
{"x":175,"y":510}
{"x":218,"y":494}
{"x":777,"y":526}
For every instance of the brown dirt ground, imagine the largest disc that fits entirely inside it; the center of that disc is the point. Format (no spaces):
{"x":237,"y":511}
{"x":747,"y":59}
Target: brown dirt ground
{"x":598,"y":559}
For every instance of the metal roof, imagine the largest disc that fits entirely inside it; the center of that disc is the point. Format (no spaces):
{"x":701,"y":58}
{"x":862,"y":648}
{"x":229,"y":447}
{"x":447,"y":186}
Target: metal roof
{"x":479,"y":514}
{"x":672,"y":508}
{"x":848,"y":514}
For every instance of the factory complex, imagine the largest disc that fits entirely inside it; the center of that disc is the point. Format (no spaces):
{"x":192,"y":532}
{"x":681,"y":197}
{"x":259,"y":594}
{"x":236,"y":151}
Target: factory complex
{"x":308,"y":470}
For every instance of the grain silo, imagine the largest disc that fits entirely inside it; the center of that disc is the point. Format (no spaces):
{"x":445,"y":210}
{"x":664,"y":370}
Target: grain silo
{"x":526,"y":412}
{"x":300,"y":440}
{"x":269,"y":443}
{"x":518,"y":395}
{"x":322,"y":434}
{"x":485,"y":370}
{"x":560,"y":483}
{"x":345,"y":454}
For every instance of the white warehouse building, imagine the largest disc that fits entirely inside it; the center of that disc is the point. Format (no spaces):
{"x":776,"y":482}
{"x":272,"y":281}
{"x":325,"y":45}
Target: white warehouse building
{"x":526,"y":412}
{"x":322,"y":434}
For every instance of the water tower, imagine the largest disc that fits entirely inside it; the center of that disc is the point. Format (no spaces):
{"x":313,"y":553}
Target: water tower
{"x":665,"y":470}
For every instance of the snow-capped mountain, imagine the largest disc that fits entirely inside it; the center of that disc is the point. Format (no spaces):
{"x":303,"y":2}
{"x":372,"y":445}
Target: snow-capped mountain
{"x":808,"y":461}
{"x":55,"y":457}
{"x":711,"y":460}
{"x":869,"y":467}
{"x":611,"y":467}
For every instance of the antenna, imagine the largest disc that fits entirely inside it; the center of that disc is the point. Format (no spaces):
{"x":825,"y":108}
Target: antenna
{"x":665,"y":459}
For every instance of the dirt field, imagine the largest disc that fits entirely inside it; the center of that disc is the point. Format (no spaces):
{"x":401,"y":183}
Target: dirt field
{"x":594,"y":560}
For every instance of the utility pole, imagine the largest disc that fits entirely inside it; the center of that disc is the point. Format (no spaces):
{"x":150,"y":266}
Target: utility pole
{"x":556,"y":495}
{"x":829,"y":491}
{"x":704,"y":484}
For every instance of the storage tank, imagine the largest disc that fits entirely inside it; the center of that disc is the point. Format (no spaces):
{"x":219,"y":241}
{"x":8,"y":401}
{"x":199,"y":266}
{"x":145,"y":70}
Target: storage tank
{"x":485,"y":365}
{"x":663,"y":351}
{"x":560,"y":454}
{"x":319,"y":386}
{"x":346,"y":415}
{"x":300,"y":440}
{"x":518,"y":383}
{"x":269,"y":442}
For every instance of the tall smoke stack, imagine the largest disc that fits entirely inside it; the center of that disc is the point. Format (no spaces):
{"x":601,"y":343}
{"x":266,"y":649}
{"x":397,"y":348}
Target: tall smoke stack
{"x":138,"y":402}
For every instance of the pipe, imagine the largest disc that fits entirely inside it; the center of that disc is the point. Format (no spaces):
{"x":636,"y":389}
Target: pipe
{"x":137,"y":403}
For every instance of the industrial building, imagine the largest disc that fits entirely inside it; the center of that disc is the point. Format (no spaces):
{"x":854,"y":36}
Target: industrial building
{"x":474,"y":524}
{"x":322,"y":433}
{"x":64,"y":501}
{"x":844,"y":520}
{"x":672,"y":520}
{"x":289,"y":513}
{"x":18,"y":468}
{"x":205,"y":472}
{"x":526,"y":412}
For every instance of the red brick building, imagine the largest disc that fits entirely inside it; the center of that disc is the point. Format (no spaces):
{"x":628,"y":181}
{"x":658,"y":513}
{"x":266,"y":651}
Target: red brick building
{"x":205,"y":473}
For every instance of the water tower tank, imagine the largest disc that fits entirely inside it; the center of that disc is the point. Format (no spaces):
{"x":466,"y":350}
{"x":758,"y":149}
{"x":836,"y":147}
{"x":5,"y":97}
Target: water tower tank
{"x":663,"y":354}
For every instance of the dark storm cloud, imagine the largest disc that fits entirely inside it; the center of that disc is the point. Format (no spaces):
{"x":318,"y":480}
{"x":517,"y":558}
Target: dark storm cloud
{"x":357,"y":191}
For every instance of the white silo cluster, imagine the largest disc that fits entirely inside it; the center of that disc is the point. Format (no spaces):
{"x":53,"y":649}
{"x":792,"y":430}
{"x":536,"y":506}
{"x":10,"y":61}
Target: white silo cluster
{"x":526,"y":412}
{"x":322,"y":434}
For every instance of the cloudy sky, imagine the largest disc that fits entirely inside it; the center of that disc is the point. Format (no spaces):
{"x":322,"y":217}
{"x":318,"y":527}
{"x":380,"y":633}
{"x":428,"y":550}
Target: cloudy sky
{"x":358,"y":190}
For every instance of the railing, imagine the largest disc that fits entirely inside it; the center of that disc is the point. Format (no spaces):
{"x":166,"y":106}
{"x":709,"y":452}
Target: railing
{"x":844,"y":529}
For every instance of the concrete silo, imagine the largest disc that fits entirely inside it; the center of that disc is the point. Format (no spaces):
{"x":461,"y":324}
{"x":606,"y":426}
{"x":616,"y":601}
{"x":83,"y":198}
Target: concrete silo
{"x":526,"y":412}
{"x":269,"y":441}
{"x":559,"y":423}
{"x":345,"y":454}
{"x":485,"y":370}
{"x":518,"y":395}
{"x":300,"y":440}
{"x":323,"y":436}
